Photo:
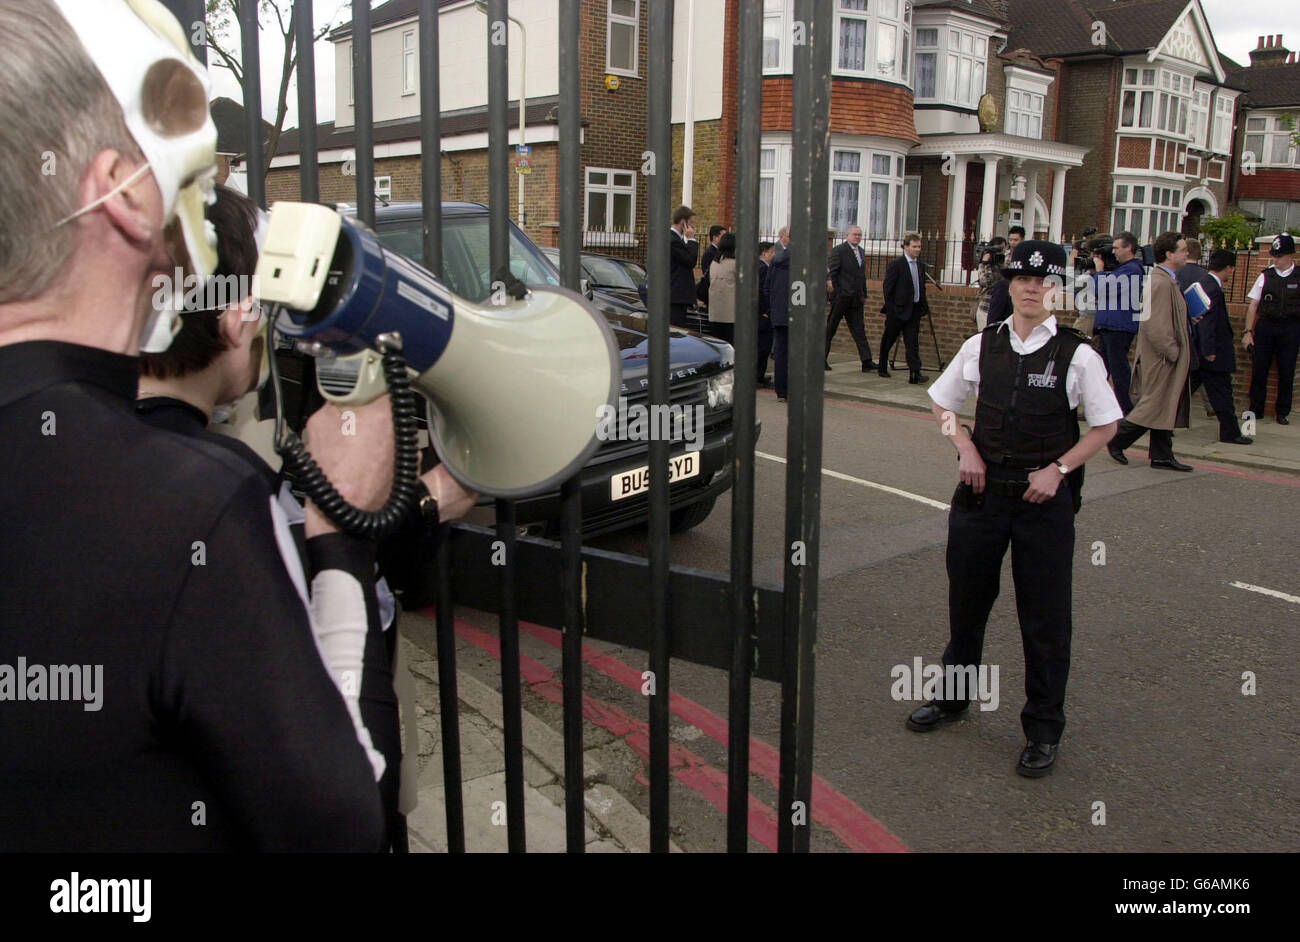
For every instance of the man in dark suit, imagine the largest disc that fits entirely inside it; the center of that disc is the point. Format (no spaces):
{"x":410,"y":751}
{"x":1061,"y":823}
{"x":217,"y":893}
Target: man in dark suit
{"x":846,"y":284}
{"x":765,"y":252}
{"x":778,"y":292}
{"x":1213,"y":338}
{"x":905,"y":305}
{"x":682,"y":256}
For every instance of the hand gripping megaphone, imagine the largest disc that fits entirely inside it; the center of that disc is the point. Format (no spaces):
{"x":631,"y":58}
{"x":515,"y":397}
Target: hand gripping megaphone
{"x":515,"y":388}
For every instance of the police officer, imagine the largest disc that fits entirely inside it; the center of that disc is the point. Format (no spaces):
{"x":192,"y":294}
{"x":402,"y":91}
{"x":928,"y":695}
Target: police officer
{"x":1020,"y":474}
{"x":1273,"y":328}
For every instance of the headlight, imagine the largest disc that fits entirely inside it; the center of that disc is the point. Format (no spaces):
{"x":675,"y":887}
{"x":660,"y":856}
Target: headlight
{"x":721,"y":390}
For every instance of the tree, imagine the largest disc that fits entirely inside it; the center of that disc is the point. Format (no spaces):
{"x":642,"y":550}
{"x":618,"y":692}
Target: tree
{"x":225,"y":39}
{"x":1228,"y":232}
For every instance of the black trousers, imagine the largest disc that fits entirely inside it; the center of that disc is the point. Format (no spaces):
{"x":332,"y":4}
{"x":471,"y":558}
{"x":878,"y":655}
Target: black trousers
{"x":1162,"y":439}
{"x":1114,"y":353}
{"x":1041,"y":537}
{"x":1275,"y":339}
{"x":1218,"y":387}
{"x":677,"y":314}
{"x":849,"y":309}
{"x":765,"y":338}
{"x":911,"y":330}
{"x":723,"y":331}
{"x":781,"y":358}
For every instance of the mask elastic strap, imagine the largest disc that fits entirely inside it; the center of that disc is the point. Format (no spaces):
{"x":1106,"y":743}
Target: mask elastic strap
{"x":107,"y":196}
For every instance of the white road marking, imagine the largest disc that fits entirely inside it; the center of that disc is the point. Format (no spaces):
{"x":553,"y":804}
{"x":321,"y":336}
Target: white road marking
{"x":938,"y":504}
{"x":1293,"y":599}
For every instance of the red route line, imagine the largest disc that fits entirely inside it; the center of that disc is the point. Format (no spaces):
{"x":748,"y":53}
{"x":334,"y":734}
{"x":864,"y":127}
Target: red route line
{"x":846,"y":820}
{"x":685,"y":766}
{"x":1230,"y":471}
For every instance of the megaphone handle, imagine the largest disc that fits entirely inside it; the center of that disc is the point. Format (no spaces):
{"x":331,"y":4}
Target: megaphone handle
{"x":406,"y":469}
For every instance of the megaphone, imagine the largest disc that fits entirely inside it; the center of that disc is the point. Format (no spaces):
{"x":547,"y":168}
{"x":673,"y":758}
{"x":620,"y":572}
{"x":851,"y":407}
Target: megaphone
{"x":515,"y":385}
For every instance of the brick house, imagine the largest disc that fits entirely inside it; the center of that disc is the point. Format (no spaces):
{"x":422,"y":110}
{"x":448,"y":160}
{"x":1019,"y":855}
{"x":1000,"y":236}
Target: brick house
{"x":1144,"y":88}
{"x":1267,"y":183}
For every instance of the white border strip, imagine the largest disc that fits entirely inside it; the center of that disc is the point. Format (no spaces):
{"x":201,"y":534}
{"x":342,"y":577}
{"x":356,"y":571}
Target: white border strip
{"x":1293,"y":599}
{"x":938,"y":505}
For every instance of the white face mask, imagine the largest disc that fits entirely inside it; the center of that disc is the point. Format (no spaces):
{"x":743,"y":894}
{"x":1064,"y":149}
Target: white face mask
{"x":144,"y":57}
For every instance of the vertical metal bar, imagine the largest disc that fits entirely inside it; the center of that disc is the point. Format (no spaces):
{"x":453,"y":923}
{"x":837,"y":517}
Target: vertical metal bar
{"x":364,"y":111}
{"x":571,"y":493}
{"x":448,"y":701}
{"x":749,"y":84}
{"x":430,"y":137}
{"x":809,"y":177}
{"x":248,"y":28}
{"x":308,"y":162}
{"x":659,"y":115}
{"x":498,"y":138}
{"x":511,"y":701}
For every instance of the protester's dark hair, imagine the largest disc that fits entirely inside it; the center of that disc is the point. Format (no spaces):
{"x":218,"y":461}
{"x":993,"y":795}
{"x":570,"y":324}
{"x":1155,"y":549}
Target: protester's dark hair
{"x":1129,"y":239}
{"x":1222,"y":258}
{"x":1165,"y":243}
{"x":682,"y":213}
{"x":714,"y":230}
{"x":764,"y":246}
{"x":199,"y":342}
{"x":727,"y":246}
{"x":1016,"y":230}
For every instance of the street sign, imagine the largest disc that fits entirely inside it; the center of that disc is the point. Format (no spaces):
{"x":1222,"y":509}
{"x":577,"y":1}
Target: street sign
{"x":523,"y":164}
{"x":524,"y":149}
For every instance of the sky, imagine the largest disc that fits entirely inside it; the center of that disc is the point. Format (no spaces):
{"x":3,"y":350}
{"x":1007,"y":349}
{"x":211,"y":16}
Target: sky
{"x":1236,"y":24}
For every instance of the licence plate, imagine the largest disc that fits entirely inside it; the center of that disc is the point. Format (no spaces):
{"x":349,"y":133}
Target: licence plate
{"x":629,"y":483}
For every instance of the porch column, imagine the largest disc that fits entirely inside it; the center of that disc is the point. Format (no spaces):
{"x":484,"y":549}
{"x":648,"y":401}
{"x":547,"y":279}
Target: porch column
{"x":1031,"y":192}
{"x":1058,"y":204}
{"x":988,"y":208}
{"x":956,"y":213}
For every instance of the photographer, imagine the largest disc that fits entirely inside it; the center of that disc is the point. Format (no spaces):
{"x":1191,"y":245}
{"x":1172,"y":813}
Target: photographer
{"x":993,"y":303}
{"x":152,"y":561}
{"x":1118,"y":293}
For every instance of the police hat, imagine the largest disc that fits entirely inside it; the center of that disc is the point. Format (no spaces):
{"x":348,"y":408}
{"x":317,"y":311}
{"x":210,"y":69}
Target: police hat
{"x":1282,"y":245}
{"x":1036,"y":257}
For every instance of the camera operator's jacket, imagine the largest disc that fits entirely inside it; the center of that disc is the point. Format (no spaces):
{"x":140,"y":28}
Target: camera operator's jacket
{"x":1160,"y":389}
{"x":1105,"y":287}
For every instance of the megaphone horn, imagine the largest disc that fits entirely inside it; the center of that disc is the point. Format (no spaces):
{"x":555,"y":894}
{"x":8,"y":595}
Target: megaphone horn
{"x":515,"y":388}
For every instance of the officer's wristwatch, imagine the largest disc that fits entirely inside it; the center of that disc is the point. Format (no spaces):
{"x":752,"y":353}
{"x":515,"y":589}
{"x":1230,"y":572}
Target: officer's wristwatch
{"x":1062,"y":467}
{"x":426,"y":506}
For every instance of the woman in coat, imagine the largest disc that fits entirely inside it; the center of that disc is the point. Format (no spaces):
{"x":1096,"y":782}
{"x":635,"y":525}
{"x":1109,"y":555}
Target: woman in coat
{"x":722,"y":289}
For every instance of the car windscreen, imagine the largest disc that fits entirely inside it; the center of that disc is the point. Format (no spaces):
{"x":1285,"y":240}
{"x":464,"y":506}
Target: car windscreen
{"x":608,"y":273}
{"x":465,"y":254}
{"x":635,"y":270}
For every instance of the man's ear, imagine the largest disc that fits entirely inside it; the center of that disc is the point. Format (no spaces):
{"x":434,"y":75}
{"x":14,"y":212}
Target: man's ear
{"x":238,"y":325}
{"x":131,"y":209}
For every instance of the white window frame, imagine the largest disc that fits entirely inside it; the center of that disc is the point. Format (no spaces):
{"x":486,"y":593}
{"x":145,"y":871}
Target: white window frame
{"x":1198,"y":117}
{"x":1171,"y":99}
{"x":949,"y":60}
{"x":1025,"y":121}
{"x":1161,"y":205}
{"x":610,"y":189}
{"x":782,"y":19}
{"x":882,"y":242}
{"x":1220,"y":141}
{"x":384,"y":187}
{"x":777,"y":14}
{"x":611,"y":18}
{"x":410,"y":64}
{"x":1223,"y":169}
{"x":1270,"y":136}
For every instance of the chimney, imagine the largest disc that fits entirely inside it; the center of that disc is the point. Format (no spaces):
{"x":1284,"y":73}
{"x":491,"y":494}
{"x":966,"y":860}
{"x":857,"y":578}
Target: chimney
{"x":1270,"y":52}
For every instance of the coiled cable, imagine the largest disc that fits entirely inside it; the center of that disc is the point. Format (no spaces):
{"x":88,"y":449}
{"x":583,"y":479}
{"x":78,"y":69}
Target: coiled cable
{"x":308,"y":476}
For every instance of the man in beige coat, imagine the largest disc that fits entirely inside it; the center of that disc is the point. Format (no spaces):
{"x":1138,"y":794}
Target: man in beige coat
{"x":1165,"y":358}
{"x":722,"y":289}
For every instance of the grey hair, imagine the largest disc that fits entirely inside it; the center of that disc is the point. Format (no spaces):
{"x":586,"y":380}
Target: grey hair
{"x":56,"y":114}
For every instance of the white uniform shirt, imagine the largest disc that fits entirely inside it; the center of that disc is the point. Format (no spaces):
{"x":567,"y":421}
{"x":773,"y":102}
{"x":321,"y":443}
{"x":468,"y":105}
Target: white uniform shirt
{"x":1085,"y":379}
{"x":1257,"y":290}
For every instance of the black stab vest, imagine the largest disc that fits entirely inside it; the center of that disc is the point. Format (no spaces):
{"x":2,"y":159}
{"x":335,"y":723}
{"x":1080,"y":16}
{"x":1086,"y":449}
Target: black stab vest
{"x":1280,"y":297}
{"x":1023,"y":418}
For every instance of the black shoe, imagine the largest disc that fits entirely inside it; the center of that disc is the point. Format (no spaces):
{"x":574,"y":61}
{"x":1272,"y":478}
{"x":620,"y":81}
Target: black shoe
{"x":869,"y":366}
{"x":1171,"y":464}
{"x":1283,"y":420}
{"x":916,"y":378}
{"x":1037,"y":759}
{"x":828,"y":367}
{"x":882,"y":371}
{"x":765,"y":382}
{"x":1117,"y":454}
{"x":931,"y":716}
{"x":1239,"y":440}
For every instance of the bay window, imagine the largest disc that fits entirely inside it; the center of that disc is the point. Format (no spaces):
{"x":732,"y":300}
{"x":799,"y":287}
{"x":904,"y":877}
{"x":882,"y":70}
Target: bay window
{"x":867,"y":189}
{"x":872,"y":38}
{"x":950,"y":66}
{"x":1221,"y":138}
{"x":1146,"y":210}
{"x":1200,"y":117}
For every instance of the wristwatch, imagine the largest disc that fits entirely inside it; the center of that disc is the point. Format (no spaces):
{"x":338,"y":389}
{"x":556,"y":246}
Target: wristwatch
{"x":427,"y":506}
{"x":1062,"y":467}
